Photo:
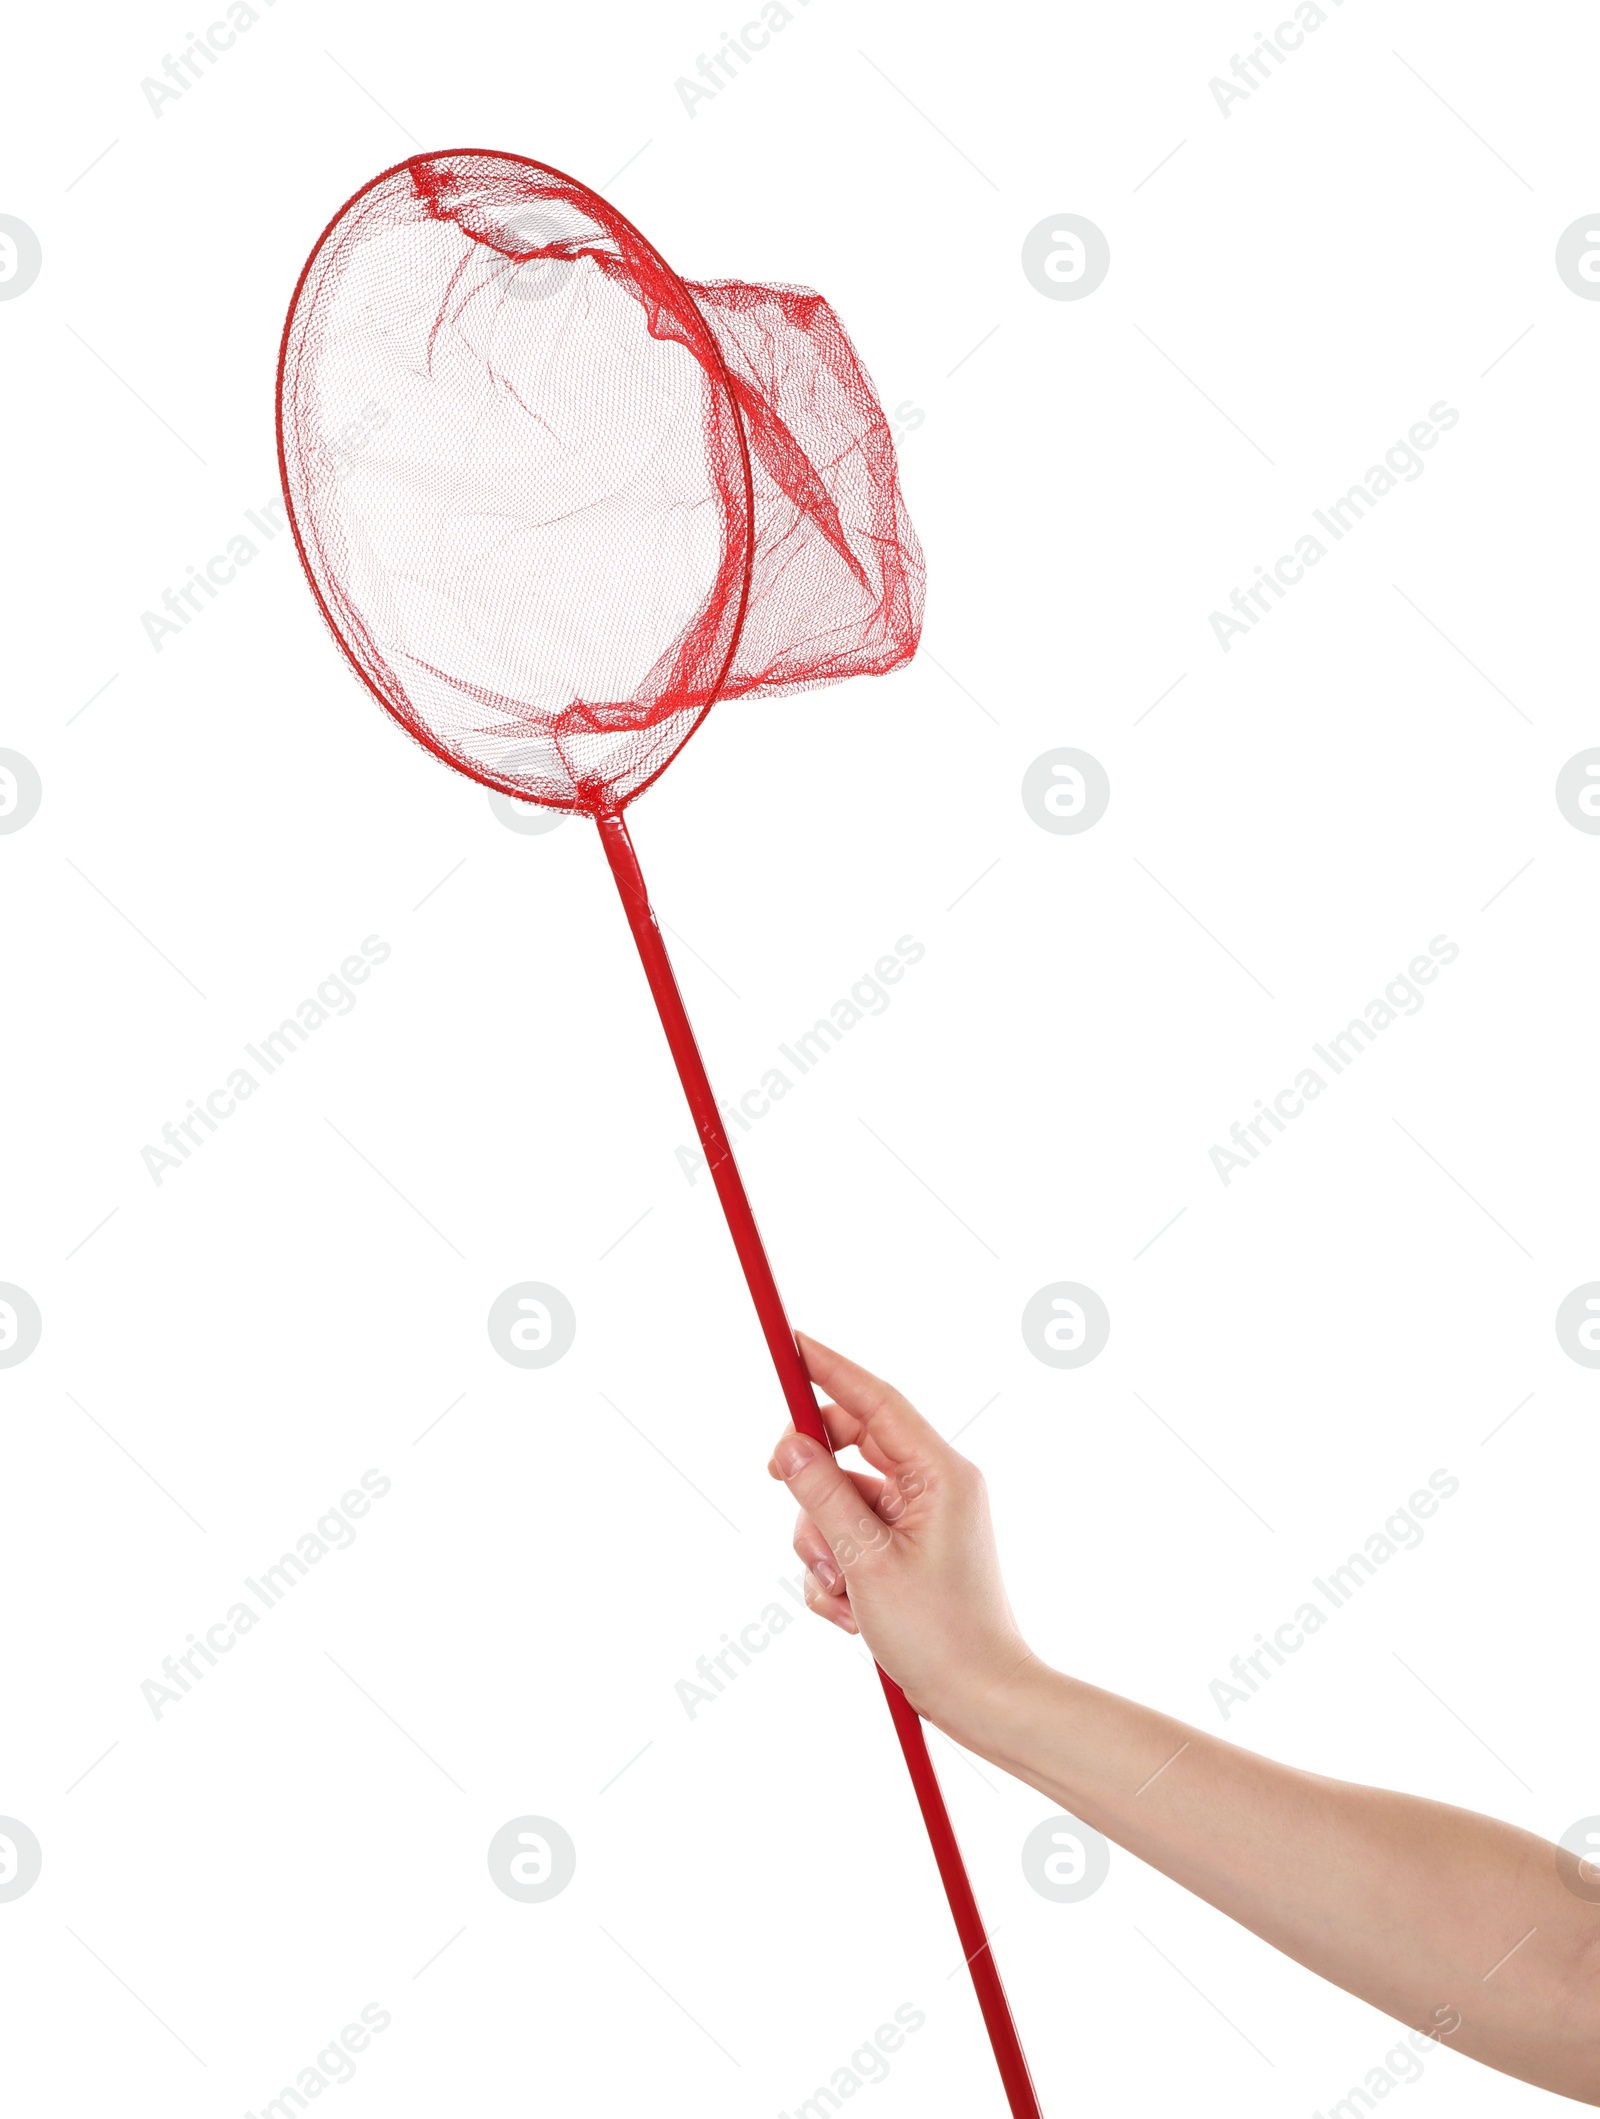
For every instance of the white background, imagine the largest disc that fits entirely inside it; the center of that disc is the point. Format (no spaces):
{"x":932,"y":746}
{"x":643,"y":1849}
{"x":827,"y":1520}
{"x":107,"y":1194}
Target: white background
{"x":303,"y":1834}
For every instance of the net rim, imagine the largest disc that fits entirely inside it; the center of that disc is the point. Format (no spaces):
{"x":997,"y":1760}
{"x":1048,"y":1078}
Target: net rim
{"x":711,"y":360}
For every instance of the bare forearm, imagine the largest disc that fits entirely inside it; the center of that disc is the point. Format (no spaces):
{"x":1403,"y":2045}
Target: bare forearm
{"x":1460,"y":1927}
{"x":1456,"y":1924}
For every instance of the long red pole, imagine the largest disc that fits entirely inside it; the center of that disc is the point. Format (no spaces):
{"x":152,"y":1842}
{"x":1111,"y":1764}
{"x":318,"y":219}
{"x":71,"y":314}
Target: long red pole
{"x":802,"y":1403}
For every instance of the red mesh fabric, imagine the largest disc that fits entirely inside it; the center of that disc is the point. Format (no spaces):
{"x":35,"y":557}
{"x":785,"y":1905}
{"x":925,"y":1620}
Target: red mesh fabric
{"x":553,"y":501}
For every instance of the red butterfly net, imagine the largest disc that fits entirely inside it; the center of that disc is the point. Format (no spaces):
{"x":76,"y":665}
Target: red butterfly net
{"x":591,"y":498}
{"x":554,"y":502}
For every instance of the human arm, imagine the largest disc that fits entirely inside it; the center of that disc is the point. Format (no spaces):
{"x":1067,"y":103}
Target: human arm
{"x":1456,"y":1924}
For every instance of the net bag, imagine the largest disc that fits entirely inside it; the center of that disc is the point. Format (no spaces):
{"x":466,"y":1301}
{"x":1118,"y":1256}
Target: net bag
{"x":554,"y":500}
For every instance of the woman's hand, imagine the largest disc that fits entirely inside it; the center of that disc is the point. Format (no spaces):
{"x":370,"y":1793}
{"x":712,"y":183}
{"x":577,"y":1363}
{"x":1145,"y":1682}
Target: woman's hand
{"x":904,"y":1554}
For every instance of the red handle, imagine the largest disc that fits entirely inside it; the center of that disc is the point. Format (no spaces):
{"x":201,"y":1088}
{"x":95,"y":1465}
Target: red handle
{"x":802,"y":1404}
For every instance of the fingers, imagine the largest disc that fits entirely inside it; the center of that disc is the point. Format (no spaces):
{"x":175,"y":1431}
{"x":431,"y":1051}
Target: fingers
{"x":885,"y":1426}
{"x":831,"y":1605}
{"x":829,"y":1496}
{"x":843,"y":1430}
{"x":812,"y":1547}
{"x":826,"y":1592}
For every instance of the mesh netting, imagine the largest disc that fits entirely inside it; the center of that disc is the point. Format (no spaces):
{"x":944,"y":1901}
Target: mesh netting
{"x":554,"y":500}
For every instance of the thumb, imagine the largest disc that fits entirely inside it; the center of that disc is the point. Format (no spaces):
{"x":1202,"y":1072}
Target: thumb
{"x":830,"y":1498}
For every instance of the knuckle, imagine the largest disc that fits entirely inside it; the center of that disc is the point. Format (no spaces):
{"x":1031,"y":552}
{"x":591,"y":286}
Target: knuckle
{"x":874,"y":1533}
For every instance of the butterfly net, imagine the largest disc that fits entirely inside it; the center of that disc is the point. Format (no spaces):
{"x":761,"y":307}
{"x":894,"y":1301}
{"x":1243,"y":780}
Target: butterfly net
{"x":554,"y":500}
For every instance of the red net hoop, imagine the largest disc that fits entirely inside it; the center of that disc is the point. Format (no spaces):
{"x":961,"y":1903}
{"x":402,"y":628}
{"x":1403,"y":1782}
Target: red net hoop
{"x":554,"y":501}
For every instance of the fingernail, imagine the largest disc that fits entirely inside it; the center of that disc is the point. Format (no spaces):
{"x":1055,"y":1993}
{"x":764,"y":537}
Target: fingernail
{"x":826,"y":1573}
{"x":793,"y":1454}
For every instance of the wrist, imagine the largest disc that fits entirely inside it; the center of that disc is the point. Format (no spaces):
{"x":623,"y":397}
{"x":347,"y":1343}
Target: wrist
{"x":991,"y":1708}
